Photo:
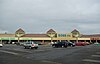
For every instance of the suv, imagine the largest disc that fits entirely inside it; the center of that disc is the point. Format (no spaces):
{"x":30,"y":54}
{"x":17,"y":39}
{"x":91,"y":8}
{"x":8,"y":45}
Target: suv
{"x":60,"y":44}
{"x":71,"y":44}
{"x":31,"y":45}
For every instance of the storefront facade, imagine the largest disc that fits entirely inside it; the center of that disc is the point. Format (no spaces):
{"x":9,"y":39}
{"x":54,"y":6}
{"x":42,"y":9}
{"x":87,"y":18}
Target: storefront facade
{"x":50,"y":36}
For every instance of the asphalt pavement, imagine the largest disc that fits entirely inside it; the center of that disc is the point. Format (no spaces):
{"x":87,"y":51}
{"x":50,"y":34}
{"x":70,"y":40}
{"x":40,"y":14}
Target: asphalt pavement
{"x":45,"y":54}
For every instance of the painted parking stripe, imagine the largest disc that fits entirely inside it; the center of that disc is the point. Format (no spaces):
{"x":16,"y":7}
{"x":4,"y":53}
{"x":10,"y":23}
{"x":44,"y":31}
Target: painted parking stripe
{"x":39,"y":50}
{"x":96,"y":55}
{"x":45,"y":61}
{"x":90,"y":60}
{"x":13,"y":53}
{"x":97,"y":52}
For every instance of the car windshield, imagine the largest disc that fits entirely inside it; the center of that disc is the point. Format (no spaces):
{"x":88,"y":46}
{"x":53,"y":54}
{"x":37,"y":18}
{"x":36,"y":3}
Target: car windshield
{"x":31,"y":42}
{"x":28,"y":42}
{"x":60,"y":42}
{"x":36,"y":42}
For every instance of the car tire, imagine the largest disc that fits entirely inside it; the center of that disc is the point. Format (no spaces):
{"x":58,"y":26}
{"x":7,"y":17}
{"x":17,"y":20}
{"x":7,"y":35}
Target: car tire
{"x":62,"y":46}
{"x":24,"y":47}
{"x":53,"y":46}
{"x":36,"y":47}
{"x":65,"y":46}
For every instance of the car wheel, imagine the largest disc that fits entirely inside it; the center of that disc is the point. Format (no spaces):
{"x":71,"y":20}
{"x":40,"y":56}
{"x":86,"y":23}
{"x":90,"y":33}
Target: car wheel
{"x":24,"y":47}
{"x":36,"y":47}
{"x":31,"y":47}
{"x":53,"y":46}
{"x":73,"y":45}
{"x":63,"y":46}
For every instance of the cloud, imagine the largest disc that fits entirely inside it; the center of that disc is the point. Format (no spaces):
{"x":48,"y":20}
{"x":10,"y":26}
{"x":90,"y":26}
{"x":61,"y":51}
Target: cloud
{"x":38,"y":16}
{"x":89,"y":28}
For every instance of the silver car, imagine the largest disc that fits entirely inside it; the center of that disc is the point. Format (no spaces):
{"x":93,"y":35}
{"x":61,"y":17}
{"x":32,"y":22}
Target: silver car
{"x":30,"y":45}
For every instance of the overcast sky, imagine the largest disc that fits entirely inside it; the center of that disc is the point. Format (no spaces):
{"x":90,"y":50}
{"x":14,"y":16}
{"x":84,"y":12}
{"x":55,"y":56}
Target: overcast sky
{"x":38,"y":16}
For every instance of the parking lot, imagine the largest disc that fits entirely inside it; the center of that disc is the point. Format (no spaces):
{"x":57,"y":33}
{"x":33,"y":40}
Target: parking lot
{"x":46,"y":54}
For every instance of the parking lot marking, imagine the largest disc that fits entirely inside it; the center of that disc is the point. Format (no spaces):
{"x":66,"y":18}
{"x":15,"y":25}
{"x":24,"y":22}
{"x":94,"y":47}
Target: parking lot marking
{"x":97,"y":52}
{"x":9,"y":52}
{"x":39,"y":50}
{"x":90,"y":60}
{"x":22,"y":50}
{"x":51,"y":62}
{"x":96,"y":55}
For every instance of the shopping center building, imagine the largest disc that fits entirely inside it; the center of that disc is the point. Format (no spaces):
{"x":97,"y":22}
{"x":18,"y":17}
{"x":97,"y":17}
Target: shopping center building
{"x":48,"y":37}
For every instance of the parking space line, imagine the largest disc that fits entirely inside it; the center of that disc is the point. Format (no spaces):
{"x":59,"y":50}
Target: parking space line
{"x":90,"y":60}
{"x":39,"y":50}
{"x":97,"y":52}
{"x":13,"y":53}
{"x":21,"y":50}
{"x":51,"y":62}
{"x":96,"y":55}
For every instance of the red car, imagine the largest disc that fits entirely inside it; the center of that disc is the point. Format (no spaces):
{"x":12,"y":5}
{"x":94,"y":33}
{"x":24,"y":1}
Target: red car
{"x":87,"y":43}
{"x":80,"y":44}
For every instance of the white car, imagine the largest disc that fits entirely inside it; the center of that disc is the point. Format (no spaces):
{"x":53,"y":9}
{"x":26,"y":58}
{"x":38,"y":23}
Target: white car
{"x":1,"y":44}
{"x":96,"y":43}
{"x":31,"y":45}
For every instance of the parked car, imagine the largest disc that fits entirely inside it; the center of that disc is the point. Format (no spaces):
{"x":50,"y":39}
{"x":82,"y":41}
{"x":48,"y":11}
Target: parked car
{"x":22,"y":43}
{"x":80,"y":44}
{"x":60,"y":44}
{"x":71,"y":44}
{"x":30,"y":45}
{"x":1,"y":44}
{"x":87,"y":43}
{"x":39,"y":43}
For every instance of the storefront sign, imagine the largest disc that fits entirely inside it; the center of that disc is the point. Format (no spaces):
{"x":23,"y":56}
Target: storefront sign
{"x":95,"y":38}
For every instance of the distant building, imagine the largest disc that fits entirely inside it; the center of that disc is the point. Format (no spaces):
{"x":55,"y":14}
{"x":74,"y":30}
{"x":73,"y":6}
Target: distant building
{"x":21,"y":36}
